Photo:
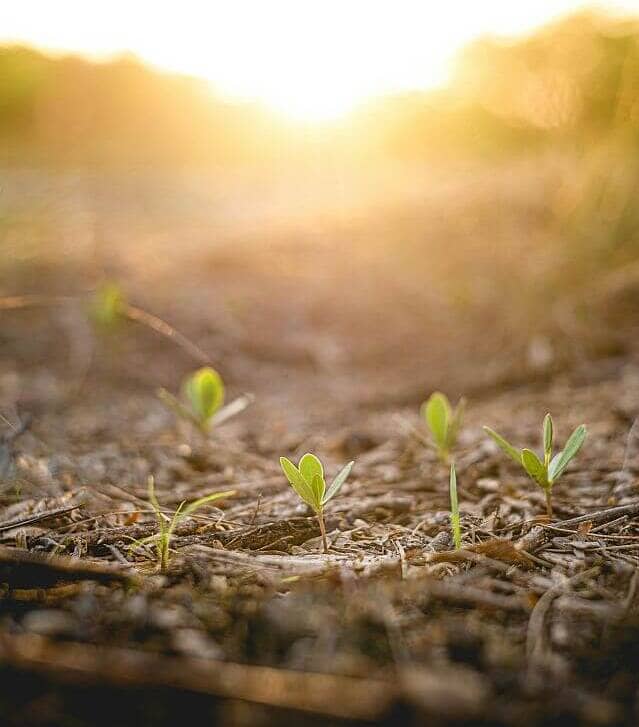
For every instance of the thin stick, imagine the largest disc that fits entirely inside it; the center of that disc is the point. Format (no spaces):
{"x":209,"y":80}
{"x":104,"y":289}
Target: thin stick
{"x":133,"y":313}
{"x":163,"y":328}
{"x":27,"y":301}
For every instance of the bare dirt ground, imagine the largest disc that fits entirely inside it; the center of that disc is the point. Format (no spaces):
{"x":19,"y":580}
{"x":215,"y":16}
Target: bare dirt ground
{"x":531,"y":623}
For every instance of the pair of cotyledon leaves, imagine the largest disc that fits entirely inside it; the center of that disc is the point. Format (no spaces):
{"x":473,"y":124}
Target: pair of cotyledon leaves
{"x":547,"y":472}
{"x":307,"y":479}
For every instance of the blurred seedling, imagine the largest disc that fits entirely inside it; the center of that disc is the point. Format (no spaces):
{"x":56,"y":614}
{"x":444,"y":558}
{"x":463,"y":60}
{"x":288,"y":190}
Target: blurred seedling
{"x":307,"y":479}
{"x":444,"y":422}
{"x":166,"y":525}
{"x":545,"y":473}
{"x":454,"y":508}
{"x":108,"y":306}
{"x":203,"y":392}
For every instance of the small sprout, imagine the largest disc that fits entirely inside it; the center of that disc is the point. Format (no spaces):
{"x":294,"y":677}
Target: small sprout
{"x":204,"y":390}
{"x":454,"y":508}
{"x":308,"y":482}
{"x":108,"y":305}
{"x":166,"y":525}
{"x":204,"y":393}
{"x":545,"y":473}
{"x":443,"y":421}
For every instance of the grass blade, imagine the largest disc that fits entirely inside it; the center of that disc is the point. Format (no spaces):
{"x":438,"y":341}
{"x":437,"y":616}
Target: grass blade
{"x":454,"y":509}
{"x":197,"y":504}
{"x":548,"y":433}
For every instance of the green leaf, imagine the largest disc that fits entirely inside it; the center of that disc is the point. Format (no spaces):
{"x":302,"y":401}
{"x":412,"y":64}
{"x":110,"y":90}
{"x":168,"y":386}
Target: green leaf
{"x":562,"y":460}
{"x":454,"y":503}
{"x":437,"y":413}
{"x":548,"y":431}
{"x":197,"y":504}
{"x":310,"y":467}
{"x":535,"y":467}
{"x":297,"y":482}
{"x":205,"y":392}
{"x":155,"y":503}
{"x":318,"y":487}
{"x":553,"y":465}
{"x":141,"y":543}
{"x":338,"y":482}
{"x":508,"y":448}
{"x":177,"y":516}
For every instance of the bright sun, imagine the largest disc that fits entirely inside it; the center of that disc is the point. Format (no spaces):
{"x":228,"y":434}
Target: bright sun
{"x":309,"y":59}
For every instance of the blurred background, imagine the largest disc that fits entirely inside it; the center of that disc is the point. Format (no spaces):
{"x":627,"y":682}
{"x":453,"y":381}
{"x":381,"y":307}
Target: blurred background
{"x":385,"y":196}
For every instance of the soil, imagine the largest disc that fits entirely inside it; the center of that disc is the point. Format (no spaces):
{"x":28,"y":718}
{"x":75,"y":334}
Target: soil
{"x":533,"y":622}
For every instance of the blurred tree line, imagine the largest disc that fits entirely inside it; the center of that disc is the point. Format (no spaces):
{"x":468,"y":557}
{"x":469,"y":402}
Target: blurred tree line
{"x":574,"y":82}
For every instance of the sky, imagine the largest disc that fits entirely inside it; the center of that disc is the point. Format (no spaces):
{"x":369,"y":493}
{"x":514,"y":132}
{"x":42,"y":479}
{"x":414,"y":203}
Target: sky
{"x":310,"y":59}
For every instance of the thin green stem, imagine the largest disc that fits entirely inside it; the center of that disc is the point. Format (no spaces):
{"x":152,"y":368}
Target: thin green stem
{"x":320,"y":519}
{"x":549,"y":502}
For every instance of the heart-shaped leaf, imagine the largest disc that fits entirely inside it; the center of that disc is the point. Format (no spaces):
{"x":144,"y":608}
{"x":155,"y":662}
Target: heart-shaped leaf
{"x":310,"y":467}
{"x":297,"y":482}
{"x":318,"y":487}
{"x":205,"y":392}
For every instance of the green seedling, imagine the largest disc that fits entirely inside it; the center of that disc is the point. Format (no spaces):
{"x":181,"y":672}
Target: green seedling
{"x":444,"y":422}
{"x":167,"y":525}
{"x":108,"y":306}
{"x":203,"y":392}
{"x":545,"y":473}
{"x":454,"y":509}
{"x":308,"y":482}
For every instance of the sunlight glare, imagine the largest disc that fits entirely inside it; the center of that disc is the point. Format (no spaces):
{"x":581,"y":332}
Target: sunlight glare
{"x":308,"y":59}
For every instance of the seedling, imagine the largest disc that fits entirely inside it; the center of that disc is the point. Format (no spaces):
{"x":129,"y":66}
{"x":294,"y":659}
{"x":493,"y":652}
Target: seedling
{"x":204,"y":393}
{"x":545,"y":473}
{"x":454,"y":508}
{"x":308,"y":482}
{"x":108,"y":306}
{"x":166,"y":524}
{"x":444,"y":422}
